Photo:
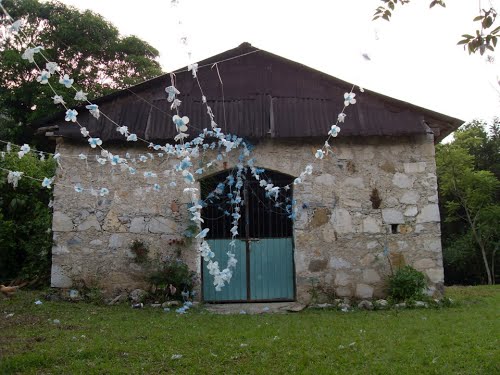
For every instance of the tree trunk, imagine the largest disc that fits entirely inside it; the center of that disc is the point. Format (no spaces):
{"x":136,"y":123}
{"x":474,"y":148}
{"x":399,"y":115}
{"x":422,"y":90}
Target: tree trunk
{"x":477,"y":237}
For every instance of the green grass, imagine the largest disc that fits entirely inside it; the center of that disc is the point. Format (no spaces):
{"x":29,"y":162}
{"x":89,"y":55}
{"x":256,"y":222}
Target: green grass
{"x":463,"y":339}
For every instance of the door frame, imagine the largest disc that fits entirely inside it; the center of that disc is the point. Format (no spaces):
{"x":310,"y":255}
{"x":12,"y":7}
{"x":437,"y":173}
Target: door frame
{"x":248,"y":241}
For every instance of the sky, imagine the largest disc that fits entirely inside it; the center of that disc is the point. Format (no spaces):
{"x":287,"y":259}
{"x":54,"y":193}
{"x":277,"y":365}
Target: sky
{"x":414,"y":57}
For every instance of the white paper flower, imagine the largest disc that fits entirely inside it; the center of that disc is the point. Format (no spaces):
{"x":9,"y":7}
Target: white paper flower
{"x":13,"y":178}
{"x":319,"y":154}
{"x":172,"y":92}
{"x":47,"y":182}
{"x":71,"y":115}
{"x":349,"y":98}
{"x":123,"y":130}
{"x":52,"y":67}
{"x":66,"y":81}
{"x":16,"y":26}
{"x":132,"y":137}
{"x":58,"y":99}
{"x":95,"y":142}
{"x":84,"y":132}
{"x":80,"y":95}
{"x":176,"y":104}
{"x":193,"y":68}
{"x":43,"y":78}
{"x":30,"y":52}
{"x":94,"y":110}
{"x":341,"y":117}
{"x":180,"y":123}
{"x":334,"y":131}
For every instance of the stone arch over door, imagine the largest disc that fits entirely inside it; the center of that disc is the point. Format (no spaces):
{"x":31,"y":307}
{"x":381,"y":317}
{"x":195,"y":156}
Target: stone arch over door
{"x":264,"y":246}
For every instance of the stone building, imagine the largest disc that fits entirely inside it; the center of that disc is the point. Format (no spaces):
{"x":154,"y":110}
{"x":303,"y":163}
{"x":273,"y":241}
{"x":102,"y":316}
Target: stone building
{"x":369,"y":207}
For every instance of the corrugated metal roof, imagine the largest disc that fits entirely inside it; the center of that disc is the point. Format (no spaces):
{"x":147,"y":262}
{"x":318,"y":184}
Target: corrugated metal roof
{"x":264,"y":96}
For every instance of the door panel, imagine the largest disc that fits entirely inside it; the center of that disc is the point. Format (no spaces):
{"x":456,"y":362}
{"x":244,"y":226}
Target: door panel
{"x":271,"y":269}
{"x":237,"y":288}
{"x":265,"y":230}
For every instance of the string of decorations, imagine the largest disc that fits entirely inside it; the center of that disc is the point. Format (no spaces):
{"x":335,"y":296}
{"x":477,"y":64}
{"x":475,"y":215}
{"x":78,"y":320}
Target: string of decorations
{"x":182,"y":150}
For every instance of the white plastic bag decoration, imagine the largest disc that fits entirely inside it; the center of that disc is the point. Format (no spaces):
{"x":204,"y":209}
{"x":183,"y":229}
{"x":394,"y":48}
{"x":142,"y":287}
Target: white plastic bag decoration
{"x":13,"y":178}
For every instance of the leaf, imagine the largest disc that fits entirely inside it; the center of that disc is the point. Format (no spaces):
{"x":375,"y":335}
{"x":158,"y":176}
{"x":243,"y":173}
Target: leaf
{"x":487,"y":22}
{"x":478,"y":18}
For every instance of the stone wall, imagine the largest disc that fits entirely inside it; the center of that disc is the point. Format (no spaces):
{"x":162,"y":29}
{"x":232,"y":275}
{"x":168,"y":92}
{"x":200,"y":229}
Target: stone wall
{"x":347,"y":235}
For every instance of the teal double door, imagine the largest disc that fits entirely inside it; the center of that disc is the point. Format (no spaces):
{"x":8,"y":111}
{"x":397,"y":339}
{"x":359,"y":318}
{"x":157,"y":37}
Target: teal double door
{"x":264,"y":271}
{"x":264,"y":250}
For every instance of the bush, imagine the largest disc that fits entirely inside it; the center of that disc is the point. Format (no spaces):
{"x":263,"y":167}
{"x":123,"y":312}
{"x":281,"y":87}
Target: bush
{"x":25,"y":219}
{"x":407,"y":284}
{"x":172,"y":273}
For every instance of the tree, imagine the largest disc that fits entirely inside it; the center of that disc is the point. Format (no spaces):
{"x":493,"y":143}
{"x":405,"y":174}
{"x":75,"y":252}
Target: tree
{"x":470,"y":197}
{"x":86,"y":46}
{"x":485,"y":37}
{"x":91,"y":51}
{"x":25,"y":219}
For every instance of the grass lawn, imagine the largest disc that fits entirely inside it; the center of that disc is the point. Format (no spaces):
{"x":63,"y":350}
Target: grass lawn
{"x":463,"y":339}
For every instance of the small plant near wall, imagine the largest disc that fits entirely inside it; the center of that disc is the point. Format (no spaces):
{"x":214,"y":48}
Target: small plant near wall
{"x":140,"y":250}
{"x":407,"y":284}
{"x":172,"y":280}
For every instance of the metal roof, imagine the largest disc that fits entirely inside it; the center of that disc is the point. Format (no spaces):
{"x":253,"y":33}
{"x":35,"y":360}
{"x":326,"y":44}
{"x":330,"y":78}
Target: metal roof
{"x":261,"y":95}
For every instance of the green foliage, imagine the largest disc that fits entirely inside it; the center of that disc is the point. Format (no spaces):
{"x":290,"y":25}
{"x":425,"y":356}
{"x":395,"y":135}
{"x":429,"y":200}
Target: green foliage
{"x":484,"y":38}
{"x":469,"y":189}
{"x":172,"y":272}
{"x":84,"y":44}
{"x":406,"y":284}
{"x":25,"y":220}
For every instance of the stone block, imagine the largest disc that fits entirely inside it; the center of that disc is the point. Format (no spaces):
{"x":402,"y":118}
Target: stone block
{"x":436,"y":275}
{"x":423,"y":264}
{"x":410,"y":197}
{"x":433,"y":198}
{"x":364,"y":291}
{"x":59,"y":249}
{"x":367,"y":260}
{"x":370,"y":276}
{"x":58,"y":277}
{"x":354,"y":182}
{"x":428,"y":214}
{"x":61,"y":222}
{"x":415,"y":167}
{"x":392,"y":216}
{"x":161,"y":225}
{"x":116,"y":241}
{"x":405,"y":228}
{"x":342,"y":278}
{"x":402,"y":181}
{"x":91,"y":222}
{"x":96,"y":243}
{"x":320,"y":217}
{"x":433,"y":244}
{"x":325,"y":179}
{"x":138,"y":225}
{"x":343,"y":291}
{"x":370,"y":225}
{"x":112,"y":223}
{"x":411,"y":211}
{"x":339,"y":263}
{"x":342,"y":221}
{"x":388,"y":166}
{"x":317,"y":265}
